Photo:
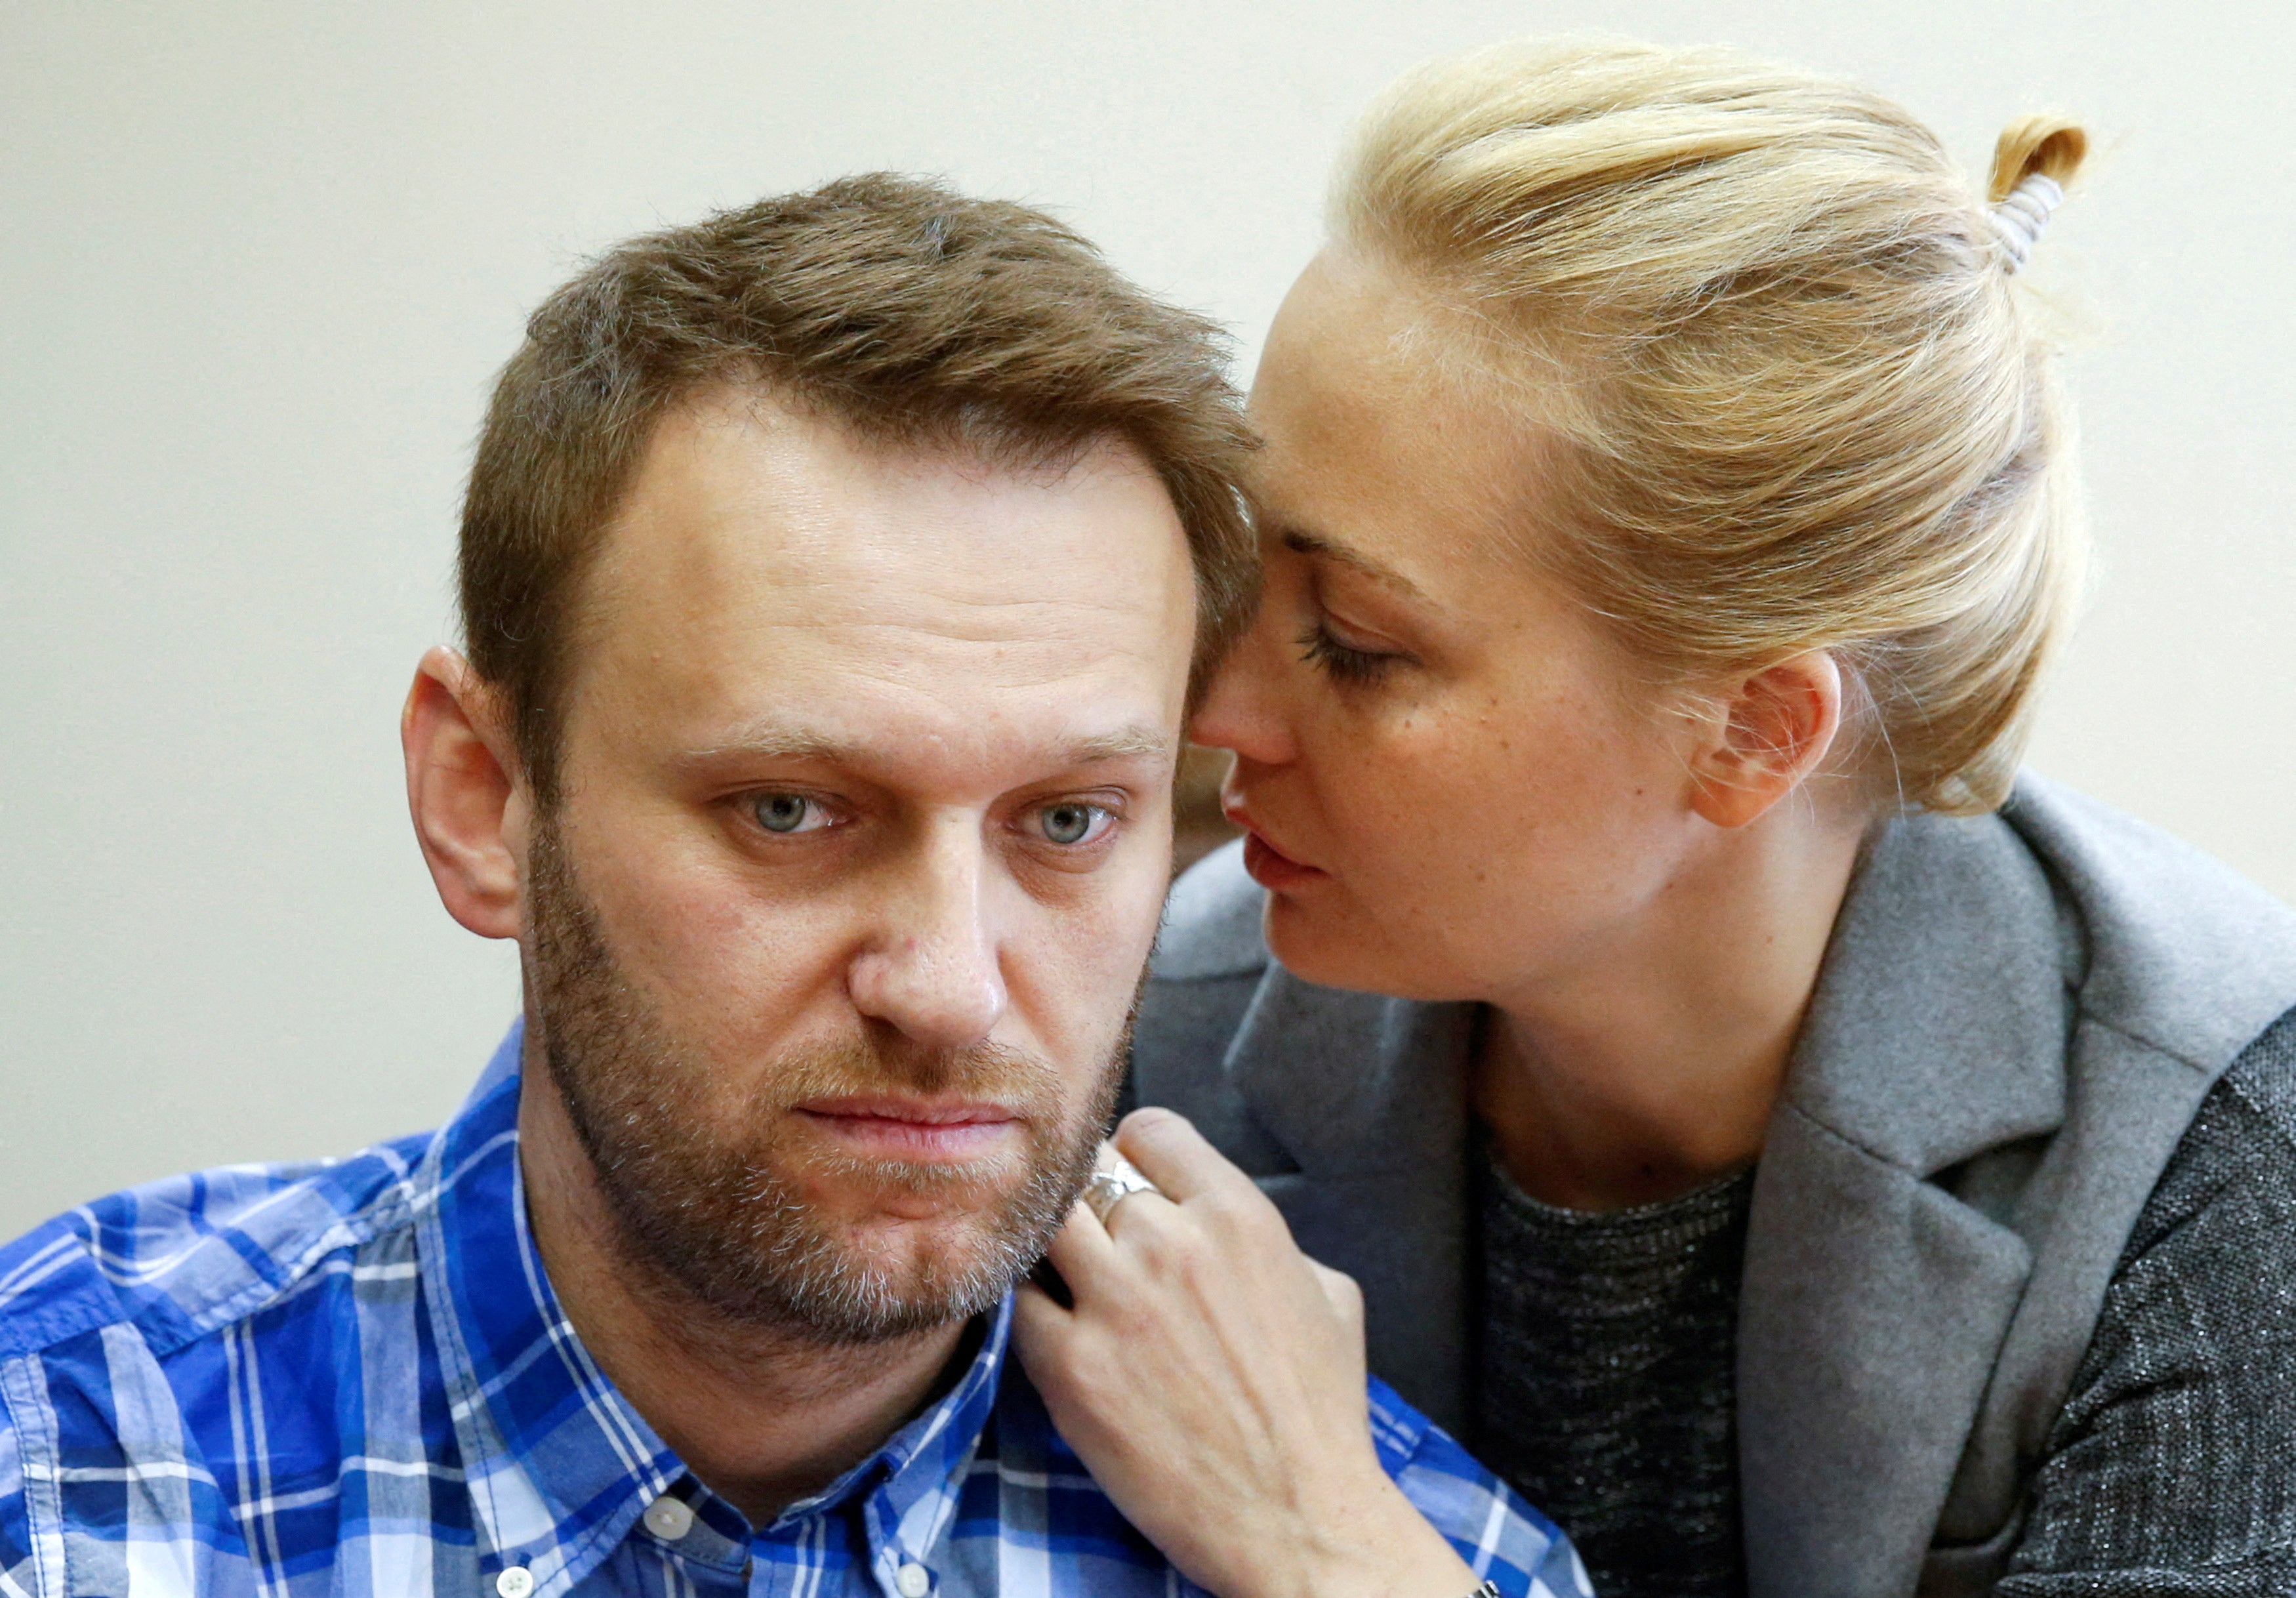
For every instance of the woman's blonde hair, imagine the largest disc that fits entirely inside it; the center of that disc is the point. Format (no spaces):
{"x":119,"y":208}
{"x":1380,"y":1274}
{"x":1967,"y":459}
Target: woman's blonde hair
{"x":1803,"y":407}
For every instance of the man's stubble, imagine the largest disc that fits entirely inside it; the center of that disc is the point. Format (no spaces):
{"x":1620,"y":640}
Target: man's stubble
{"x":706,"y":1201}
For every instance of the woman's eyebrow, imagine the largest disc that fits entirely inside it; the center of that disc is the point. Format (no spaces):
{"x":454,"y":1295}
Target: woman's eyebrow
{"x":1317,"y":546}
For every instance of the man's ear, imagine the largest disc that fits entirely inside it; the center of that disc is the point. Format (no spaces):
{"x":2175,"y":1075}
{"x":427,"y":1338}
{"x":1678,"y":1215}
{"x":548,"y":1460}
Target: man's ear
{"x":470,"y":808}
{"x":1771,"y":734}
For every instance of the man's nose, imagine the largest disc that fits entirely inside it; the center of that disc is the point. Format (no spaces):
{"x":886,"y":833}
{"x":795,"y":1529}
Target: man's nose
{"x":929,"y":965}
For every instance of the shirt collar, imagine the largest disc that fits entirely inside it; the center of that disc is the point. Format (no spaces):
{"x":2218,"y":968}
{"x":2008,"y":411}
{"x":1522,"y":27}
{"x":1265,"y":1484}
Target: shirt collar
{"x":560,"y":1467}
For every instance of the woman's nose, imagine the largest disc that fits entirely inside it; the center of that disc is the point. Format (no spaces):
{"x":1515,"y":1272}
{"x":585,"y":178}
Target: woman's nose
{"x":1244,"y":709}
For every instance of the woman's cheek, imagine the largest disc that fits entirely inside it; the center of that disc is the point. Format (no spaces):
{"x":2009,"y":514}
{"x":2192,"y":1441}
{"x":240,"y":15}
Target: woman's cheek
{"x":1412,"y":842}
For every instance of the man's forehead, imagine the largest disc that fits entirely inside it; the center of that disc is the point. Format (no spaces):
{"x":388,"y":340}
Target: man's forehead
{"x":742,"y":499}
{"x":765,"y":557}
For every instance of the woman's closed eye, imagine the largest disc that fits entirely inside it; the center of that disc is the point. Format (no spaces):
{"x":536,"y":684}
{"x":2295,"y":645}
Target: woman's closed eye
{"x":1342,"y":661}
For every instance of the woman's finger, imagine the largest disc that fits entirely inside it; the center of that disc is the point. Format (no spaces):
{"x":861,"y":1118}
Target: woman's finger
{"x":1344,"y":1292}
{"x":1081,"y":1249}
{"x":1174,"y":1156}
{"x":1037,"y":1320}
{"x":1087,"y":1252}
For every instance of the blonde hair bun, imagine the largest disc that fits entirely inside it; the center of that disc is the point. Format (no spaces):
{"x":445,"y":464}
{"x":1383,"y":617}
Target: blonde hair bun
{"x":2035,"y":159}
{"x":2047,"y":144}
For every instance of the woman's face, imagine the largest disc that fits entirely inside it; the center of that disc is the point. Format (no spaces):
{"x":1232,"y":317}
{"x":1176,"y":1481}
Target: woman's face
{"x":1456,"y":786}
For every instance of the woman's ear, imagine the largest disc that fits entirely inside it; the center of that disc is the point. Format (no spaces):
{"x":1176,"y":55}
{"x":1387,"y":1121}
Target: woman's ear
{"x":469,"y":807}
{"x":1769,"y":735}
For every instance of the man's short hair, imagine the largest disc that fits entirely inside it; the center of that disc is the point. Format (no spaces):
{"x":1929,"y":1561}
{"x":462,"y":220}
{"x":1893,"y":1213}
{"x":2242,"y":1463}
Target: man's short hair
{"x":908,"y":313}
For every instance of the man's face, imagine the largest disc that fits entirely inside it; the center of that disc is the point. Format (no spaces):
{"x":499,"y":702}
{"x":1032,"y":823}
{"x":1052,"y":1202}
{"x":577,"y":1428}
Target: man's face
{"x":864,"y":830}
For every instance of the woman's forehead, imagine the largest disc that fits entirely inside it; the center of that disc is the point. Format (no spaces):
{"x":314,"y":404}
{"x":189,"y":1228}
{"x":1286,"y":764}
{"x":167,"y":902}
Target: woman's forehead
{"x":1370,"y":451}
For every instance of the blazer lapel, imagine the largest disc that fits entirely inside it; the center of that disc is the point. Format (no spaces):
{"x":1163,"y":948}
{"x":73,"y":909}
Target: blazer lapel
{"x":1874,"y":1301}
{"x":1872,"y":1307}
{"x":1368,"y":1096}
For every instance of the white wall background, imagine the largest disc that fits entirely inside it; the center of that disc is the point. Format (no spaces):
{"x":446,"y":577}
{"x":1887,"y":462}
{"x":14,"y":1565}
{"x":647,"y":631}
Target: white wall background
{"x":257,"y":262}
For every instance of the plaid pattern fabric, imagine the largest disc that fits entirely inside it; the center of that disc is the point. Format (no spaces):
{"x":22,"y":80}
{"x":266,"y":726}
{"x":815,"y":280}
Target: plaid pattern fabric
{"x":354,"y":1379}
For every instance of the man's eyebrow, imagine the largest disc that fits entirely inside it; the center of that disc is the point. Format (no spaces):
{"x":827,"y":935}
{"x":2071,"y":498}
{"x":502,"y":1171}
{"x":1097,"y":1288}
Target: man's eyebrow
{"x":774,"y":741}
{"x":1137,"y":742}
{"x":1302,"y":542}
{"x":780,"y":741}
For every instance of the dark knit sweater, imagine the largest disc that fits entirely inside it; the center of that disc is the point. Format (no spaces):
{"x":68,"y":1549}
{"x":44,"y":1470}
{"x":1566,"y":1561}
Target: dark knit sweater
{"x":2169,"y":1473}
{"x":1606,"y":1379}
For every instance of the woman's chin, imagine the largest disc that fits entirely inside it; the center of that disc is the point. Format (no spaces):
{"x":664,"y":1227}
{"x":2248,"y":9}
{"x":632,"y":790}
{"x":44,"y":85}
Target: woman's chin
{"x":1318,"y":940}
{"x":1330,"y":950}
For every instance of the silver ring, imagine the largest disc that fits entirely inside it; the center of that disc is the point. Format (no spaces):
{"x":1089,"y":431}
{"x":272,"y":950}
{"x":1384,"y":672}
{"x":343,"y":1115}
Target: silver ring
{"x":1116,"y":1180}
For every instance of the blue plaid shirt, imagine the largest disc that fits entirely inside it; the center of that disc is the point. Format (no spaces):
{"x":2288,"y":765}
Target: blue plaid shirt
{"x":354,"y":1379}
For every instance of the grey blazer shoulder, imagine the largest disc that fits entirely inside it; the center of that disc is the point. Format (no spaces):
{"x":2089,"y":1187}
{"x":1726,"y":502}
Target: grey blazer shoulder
{"x":2017,"y":1018}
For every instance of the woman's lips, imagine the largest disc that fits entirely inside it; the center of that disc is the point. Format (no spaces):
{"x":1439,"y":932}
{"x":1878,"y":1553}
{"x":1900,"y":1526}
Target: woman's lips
{"x":1271,"y":867}
{"x":913,"y":1129}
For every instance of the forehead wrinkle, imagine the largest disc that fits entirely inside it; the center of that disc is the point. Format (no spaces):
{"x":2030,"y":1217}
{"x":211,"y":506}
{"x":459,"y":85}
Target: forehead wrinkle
{"x":854,"y":592}
{"x":947,"y":567}
{"x":960,"y":620}
{"x":773,"y":737}
{"x":936,"y":666}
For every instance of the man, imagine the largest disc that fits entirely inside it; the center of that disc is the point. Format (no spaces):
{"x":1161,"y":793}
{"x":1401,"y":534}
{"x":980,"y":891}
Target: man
{"x":832,"y":572}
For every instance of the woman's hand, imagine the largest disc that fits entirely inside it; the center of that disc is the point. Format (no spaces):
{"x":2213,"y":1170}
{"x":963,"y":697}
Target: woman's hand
{"x":1212,"y":1378}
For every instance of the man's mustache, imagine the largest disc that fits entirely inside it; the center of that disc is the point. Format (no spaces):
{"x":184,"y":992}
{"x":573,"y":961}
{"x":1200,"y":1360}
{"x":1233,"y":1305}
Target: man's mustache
{"x":995,"y":1073}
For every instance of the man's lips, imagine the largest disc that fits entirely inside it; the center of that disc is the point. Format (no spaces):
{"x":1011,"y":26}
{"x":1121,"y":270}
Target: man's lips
{"x":904,"y":1128}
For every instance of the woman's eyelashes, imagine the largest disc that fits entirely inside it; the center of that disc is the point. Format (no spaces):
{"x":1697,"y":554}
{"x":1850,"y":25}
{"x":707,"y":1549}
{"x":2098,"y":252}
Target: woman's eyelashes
{"x":1342,"y":661}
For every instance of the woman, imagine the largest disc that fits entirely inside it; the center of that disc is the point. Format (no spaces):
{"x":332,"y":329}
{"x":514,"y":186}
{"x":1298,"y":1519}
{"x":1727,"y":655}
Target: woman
{"x":1803,"y":1154}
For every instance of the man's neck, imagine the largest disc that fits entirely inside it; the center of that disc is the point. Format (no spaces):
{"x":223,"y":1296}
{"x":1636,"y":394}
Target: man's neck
{"x":763,"y":1415}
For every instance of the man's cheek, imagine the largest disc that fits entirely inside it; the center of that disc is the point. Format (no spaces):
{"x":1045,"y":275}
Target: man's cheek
{"x":1103,"y":984}
{"x":761,"y":972}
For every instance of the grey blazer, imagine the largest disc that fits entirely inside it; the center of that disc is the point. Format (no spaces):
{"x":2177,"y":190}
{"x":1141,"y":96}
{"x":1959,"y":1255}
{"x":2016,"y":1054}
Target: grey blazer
{"x":2016,"y":1018}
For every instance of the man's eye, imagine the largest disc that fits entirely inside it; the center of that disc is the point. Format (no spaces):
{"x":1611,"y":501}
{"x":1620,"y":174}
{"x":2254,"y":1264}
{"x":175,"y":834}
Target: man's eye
{"x":1073,"y":821}
{"x":788,"y":812}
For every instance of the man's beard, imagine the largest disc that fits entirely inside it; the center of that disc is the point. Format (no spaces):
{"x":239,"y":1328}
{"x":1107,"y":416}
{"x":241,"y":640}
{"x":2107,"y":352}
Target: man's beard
{"x":708,"y":1199}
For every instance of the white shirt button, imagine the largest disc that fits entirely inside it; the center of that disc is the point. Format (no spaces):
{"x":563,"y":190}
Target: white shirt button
{"x":914,"y":1581}
{"x":669,"y":1518}
{"x":516,"y":1582}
